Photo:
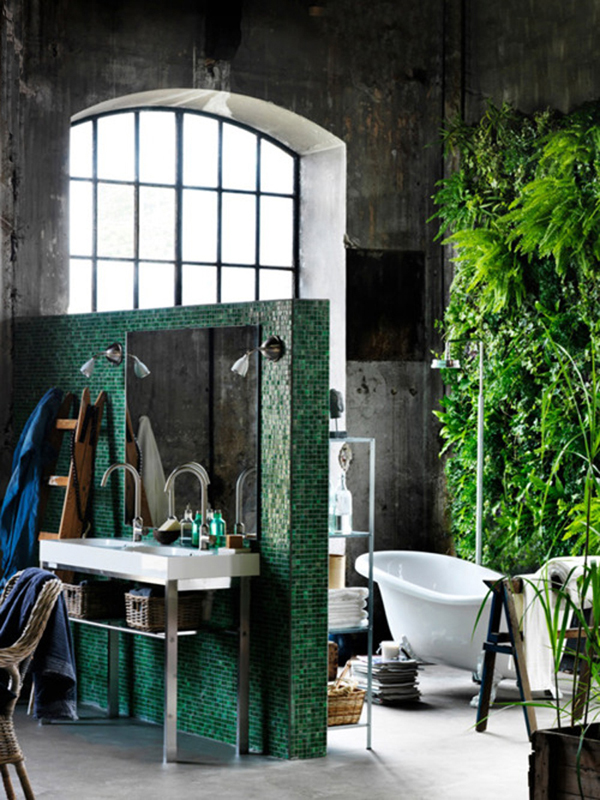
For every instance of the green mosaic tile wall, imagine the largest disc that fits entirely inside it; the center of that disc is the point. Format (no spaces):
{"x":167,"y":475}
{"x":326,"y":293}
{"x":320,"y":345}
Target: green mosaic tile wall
{"x":288,"y":717}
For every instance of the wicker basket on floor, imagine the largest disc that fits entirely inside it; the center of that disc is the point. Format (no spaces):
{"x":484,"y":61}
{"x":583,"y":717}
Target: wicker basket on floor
{"x":148,"y":613}
{"x":344,"y":703}
{"x":95,"y":600}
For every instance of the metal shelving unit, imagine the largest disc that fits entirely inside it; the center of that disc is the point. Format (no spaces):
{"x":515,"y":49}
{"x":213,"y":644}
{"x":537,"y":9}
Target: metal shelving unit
{"x":370,"y":535}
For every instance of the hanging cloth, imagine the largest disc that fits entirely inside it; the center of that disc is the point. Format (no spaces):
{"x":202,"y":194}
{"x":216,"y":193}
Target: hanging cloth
{"x":20,"y":509}
{"x":153,"y":476}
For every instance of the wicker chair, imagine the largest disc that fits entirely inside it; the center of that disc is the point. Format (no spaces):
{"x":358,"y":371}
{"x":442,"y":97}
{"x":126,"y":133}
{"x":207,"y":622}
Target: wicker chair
{"x":14,"y":660}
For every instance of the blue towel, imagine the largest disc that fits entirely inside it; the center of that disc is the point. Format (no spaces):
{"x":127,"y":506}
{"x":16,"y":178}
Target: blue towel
{"x":19,"y":513}
{"x":53,"y":663}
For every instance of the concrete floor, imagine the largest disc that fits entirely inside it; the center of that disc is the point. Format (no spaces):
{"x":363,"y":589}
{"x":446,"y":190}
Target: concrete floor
{"x":424,"y":751}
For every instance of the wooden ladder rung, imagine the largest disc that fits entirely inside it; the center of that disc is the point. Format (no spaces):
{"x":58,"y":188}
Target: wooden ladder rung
{"x":58,"y":480}
{"x":66,"y":424}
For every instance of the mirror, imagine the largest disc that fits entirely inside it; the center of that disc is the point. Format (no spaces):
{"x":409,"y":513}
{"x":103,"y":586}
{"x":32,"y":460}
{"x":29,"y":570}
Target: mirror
{"x":192,"y":407}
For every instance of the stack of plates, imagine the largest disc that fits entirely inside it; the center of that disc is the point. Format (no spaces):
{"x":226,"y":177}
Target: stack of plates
{"x":393,"y":681}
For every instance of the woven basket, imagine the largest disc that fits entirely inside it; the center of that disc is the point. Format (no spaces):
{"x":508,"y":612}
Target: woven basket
{"x":148,"y":613}
{"x":332,"y":665}
{"x":344,"y":703}
{"x":97,"y":600}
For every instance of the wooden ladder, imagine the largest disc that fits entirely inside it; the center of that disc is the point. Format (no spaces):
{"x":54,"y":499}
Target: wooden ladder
{"x":84,"y":432}
{"x":509,"y":643}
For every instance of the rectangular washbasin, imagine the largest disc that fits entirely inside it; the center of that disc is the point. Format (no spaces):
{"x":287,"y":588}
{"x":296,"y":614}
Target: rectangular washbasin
{"x":148,"y":563}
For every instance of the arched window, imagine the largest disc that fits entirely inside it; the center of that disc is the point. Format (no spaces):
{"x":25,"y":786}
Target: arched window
{"x":179,"y":207}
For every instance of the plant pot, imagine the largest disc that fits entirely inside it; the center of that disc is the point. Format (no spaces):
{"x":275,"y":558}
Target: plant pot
{"x":556,"y":768}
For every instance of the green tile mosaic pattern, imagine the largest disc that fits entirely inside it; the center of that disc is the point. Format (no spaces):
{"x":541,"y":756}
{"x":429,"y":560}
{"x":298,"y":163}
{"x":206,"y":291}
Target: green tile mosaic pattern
{"x":289,"y":601}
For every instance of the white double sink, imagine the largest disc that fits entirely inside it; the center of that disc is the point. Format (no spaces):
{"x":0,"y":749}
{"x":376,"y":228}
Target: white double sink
{"x":193,"y":569}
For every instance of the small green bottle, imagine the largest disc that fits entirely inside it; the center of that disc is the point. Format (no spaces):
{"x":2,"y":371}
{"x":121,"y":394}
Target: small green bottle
{"x":217,"y":529}
{"x":196,"y":528}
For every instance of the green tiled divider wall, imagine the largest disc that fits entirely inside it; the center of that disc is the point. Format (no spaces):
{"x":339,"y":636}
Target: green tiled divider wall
{"x":288,"y":716}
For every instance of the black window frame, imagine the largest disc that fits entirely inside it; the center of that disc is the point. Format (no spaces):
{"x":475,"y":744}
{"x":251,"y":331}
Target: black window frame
{"x":179,"y":186}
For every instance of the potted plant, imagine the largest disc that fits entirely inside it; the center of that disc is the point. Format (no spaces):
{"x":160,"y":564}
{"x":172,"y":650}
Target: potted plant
{"x":565,"y":759}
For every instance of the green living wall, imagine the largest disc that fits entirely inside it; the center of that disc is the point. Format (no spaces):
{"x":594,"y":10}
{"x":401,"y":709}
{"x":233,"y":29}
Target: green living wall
{"x":522,"y":216}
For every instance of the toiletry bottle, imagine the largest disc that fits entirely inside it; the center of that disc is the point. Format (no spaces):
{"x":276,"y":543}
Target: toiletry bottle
{"x":217,"y":529}
{"x":186,"y":526}
{"x":196,"y":530}
{"x":331,"y":508}
{"x":343,"y":507}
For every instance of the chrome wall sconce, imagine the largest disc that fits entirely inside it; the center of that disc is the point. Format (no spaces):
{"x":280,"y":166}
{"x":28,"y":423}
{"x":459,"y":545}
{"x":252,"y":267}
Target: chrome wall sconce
{"x":446,"y":362}
{"x":272,"y":349}
{"x":115,"y":355}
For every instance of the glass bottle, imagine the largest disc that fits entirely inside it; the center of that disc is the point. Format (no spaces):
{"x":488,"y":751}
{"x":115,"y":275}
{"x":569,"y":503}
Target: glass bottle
{"x":186,"y":526}
{"x":217,"y":529}
{"x":196,"y":529}
{"x":343,"y":507}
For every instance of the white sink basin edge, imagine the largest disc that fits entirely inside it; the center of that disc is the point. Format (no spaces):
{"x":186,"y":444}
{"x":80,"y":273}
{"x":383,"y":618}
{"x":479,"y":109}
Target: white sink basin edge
{"x":155,"y":563}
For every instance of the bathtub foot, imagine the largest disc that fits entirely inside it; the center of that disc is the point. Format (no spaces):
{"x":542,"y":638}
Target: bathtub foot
{"x":497,"y":677}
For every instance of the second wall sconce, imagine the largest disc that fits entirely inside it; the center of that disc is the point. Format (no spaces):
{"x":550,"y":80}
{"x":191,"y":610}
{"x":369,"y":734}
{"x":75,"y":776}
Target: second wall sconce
{"x":115,"y":355}
{"x":272,"y":349}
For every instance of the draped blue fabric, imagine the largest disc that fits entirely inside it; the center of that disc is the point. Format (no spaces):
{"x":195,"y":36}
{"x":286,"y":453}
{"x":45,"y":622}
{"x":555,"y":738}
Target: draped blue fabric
{"x":53,"y":663}
{"x":20,"y":508}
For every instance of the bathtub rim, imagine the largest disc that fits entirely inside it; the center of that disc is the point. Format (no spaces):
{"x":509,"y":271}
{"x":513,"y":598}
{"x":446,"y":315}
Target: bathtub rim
{"x":416,"y":590}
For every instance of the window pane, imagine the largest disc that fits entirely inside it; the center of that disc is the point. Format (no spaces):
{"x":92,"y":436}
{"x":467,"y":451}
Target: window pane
{"x":276,"y":231}
{"x":239,"y":158}
{"x":81,"y":150}
{"x":115,"y":220}
{"x":275,"y":284}
{"x":199,"y":225}
{"x":81,"y":218}
{"x":238,"y":233}
{"x":115,"y":285}
{"x":200,"y":151}
{"x":157,"y":147}
{"x":80,"y":286}
{"x":276,"y":169}
{"x":237,"y":284}
{"x":157,"y":223}
{"x":199,"y":285}
{"x":156,"y":285}
{"x":116,"y":147}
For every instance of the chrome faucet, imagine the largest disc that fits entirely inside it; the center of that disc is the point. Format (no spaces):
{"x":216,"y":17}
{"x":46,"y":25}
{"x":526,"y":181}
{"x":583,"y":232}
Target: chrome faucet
{"x":138,"y":525}
{"x":195,"y":469}
{"x":239,"y":526}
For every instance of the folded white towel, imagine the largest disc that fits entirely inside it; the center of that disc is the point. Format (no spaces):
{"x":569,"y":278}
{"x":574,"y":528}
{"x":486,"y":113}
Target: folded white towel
{"x":341,"y":604}
{"x":350,"y":593}
{"x":346,"y":619}
{"x":536,"y":638}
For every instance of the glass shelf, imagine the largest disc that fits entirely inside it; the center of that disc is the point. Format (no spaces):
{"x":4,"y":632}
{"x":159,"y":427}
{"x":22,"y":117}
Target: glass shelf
{"x":370,"y":535}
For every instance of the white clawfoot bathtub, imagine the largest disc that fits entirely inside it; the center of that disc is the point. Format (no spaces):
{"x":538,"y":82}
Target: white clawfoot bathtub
{"x":433,"y":601}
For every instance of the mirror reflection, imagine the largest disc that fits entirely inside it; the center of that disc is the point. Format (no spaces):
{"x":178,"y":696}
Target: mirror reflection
{"x":192,"y":407}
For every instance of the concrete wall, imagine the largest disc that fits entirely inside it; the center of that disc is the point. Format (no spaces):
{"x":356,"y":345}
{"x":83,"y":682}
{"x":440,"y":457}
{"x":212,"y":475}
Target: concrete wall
{"x":380,"y":75}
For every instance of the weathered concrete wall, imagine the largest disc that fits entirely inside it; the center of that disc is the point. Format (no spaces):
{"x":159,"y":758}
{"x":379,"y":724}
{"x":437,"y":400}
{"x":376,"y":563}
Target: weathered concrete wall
{"x":534,"y":54}
{"x":358,"y":70}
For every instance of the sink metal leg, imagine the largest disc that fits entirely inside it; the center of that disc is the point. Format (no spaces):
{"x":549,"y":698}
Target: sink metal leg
{"x":170,"y":716}
{"x":113,"y":673}
{"x":244,"y":669}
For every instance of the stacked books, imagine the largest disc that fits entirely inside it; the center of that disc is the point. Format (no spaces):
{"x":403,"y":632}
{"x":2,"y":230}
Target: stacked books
{"x":393,"y":681}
